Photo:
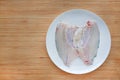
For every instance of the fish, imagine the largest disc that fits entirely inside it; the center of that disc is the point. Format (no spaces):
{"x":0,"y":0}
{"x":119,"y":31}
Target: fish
{"x":74,"y":42}
{"x":86,"y":42}
{"x":64,"y":34}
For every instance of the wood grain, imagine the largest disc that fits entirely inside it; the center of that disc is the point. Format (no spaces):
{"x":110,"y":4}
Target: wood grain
{"x":23,"y":27}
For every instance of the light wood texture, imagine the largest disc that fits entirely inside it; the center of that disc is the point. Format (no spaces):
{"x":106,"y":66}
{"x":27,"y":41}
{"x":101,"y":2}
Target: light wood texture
{"x":23,"y":27}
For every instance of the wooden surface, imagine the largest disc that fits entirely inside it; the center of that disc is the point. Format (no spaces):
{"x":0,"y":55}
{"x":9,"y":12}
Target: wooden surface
{"x":23,"y":27}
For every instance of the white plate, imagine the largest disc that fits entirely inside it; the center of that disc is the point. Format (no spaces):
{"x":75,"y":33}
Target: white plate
{"x":79,"y":17}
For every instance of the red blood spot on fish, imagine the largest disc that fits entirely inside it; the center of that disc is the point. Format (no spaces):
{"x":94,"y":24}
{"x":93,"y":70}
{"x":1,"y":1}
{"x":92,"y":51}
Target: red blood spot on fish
{"x":86,"y":61}
{"x":89,"y":24}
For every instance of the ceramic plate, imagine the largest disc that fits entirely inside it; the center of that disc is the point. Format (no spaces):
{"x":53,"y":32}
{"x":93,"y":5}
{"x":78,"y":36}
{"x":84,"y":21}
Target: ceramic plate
{"x":79,"y":17}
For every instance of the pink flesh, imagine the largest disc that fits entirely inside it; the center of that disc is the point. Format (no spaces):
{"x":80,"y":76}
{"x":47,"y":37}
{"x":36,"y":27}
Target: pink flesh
{"x":89,"y":24}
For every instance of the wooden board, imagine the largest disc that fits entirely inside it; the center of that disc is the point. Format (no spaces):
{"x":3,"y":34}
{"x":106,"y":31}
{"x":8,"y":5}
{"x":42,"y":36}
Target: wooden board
{"x":23,"y":27}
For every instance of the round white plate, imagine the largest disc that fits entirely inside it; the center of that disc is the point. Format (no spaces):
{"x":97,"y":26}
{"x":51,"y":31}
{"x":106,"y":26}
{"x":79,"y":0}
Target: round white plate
{"x":79,"y":17}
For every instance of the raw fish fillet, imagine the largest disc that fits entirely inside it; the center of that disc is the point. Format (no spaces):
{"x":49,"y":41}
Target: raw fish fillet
{"x":86,"y":42}
{"x":65,"y":50}
{"x":73,"y":42}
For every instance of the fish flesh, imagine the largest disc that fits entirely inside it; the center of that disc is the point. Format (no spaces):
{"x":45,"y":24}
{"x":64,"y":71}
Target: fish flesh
{"x":64,"y":43}
{"x":77,"y":42}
